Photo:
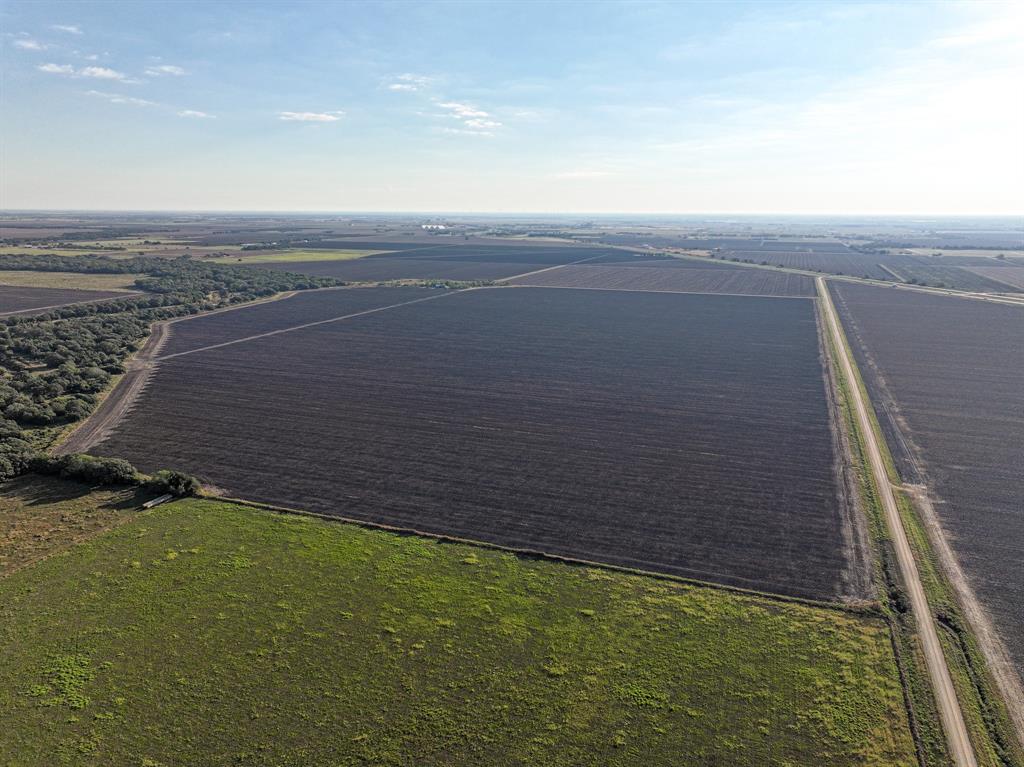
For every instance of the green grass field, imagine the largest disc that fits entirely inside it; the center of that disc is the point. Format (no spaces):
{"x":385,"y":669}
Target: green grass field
{"x":211,"y":633}
{"x":69,"y":280}
{"x":284,"y":256}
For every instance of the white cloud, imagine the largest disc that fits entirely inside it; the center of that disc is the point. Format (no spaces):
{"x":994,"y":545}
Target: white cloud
{"x":57,"y":69}
{"x":194,"y":113}
{"x":165,"y":69}
{"x":71,"y":29}
{"x":101,"y":73}
{"x":311,"y":117}
{"x":28,"y":44}
{"x":473,"y":119}
{"x":410,"y":83}
{"x":97,"y":73}
{"x":462,"y":110}
{"x":117,"y":98}
{"x":479,"y":124}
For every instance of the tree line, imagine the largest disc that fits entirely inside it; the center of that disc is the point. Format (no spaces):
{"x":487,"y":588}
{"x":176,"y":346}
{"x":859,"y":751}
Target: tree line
{"x":54,"y":366}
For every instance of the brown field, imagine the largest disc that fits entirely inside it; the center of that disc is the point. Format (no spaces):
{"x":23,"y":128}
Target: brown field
{"x":737,"y":281}
{"x":468,"y":413}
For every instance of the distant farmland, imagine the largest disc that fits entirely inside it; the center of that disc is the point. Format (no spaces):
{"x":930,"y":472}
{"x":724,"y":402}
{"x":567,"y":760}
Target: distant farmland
{"x":299,"y":309}
{"x":729,"y":281}
{"x":373,"y":269}
{"x":686,"y":434}
{"x":951,"y":370}
{"x":1012,"y":276}
{"x":444,"y":262}
{"x":25,"y":300}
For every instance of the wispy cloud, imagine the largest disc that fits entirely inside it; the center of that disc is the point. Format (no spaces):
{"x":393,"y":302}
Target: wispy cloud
{"x":311,"y":117}
{"x":473,"y":119}
{"x":71,"y":29}
{"x":117,"y":98}
{"x":165,"y":69}
{"x":28,"y":44}
{"x":97,"y":73}
{"x":410,"y":83}
{"x":57,"y":69}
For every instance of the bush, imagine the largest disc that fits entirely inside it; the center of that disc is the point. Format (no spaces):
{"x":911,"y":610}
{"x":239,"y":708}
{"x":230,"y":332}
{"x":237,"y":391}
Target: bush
{"x":174,"y":482}
{"x":87,"y":468}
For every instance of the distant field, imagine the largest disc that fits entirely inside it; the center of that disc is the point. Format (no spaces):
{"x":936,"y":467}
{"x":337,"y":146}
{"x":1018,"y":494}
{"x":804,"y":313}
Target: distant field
{"x":302,"y":308}
{"x":945,"y":377}
{"x":207,"y":633}
{"x":377,"y":268}
{"x":68,"y":280}
{"x":287,"y":256}
{"x":1008,"y":275}
{"x":22,"y":300}
{"x":734,"y":281}
{"x":467,"y":413}
{"x":967,"y":253}
{"x":945,"y":276}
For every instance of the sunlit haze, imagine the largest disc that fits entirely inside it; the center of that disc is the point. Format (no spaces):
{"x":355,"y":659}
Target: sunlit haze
{"x":653,"y":107}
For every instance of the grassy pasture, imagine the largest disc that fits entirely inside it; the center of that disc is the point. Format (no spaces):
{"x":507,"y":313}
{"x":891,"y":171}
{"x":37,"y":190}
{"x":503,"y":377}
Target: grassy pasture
{"x":68,"y":280}
{"x":210,"y":633}
{"x":285,"y":256}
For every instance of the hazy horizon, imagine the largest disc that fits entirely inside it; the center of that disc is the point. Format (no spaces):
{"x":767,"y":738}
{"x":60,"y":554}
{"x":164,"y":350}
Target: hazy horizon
{"x":649,"y":108}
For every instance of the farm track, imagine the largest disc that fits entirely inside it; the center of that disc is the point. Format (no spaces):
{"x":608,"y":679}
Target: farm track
{"x":942,"y":683}
{"x":121,"y":398}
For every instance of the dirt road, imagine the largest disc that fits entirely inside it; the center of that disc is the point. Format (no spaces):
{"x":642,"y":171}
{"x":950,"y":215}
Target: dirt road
{"x":117,"y":402}
{"x":945,"y":694}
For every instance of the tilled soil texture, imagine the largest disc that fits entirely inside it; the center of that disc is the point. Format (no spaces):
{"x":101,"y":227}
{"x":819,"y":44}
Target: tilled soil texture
{"x":444,"y":262}
{"x":730,"y":281}
{"x":945,"y":375}
{"x":15,"y":300}
{"x":299,"y":309}
{"x":686,"y":434}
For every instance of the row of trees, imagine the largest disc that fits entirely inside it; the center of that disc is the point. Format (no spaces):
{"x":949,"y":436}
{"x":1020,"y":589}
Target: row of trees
{"x":53,"y":366}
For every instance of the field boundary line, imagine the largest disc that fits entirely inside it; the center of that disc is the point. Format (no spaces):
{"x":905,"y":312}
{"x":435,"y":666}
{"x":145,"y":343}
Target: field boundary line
{"x":861,"y":609}
{"x":995,"y":298}
{"x":667,"y":292}
{"x":550,"y":268}
{"x":950,"y":712}
{"x":311,"y":324}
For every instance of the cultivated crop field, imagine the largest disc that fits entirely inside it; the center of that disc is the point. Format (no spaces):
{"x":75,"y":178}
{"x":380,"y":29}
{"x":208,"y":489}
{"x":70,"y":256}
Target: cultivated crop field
{"x":299,"y":309}
{"x":374,"y":269}
{"x":951,"y":277}
{"x":945,"y":376}
{"x":688,"y":434}
{"x":17,"y":299}
{"x":693,"y":280}
{"x":209,"y":633}
{"x":1005,"y":275}
{"x":444,"y":262}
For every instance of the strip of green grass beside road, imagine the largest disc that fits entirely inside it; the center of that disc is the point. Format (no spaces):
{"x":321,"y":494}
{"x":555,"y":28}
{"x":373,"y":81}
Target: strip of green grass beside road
{"x":205,"y":632}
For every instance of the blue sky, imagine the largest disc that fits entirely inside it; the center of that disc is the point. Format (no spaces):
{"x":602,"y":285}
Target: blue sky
{"x":604,"y":107}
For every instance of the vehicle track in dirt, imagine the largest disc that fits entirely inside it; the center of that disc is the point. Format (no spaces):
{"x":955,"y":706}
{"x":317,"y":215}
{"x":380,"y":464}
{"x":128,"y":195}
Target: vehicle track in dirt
{"x":942,"y":683}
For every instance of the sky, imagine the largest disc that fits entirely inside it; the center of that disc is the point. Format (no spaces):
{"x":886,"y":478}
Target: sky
{"x":810,"y":107}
